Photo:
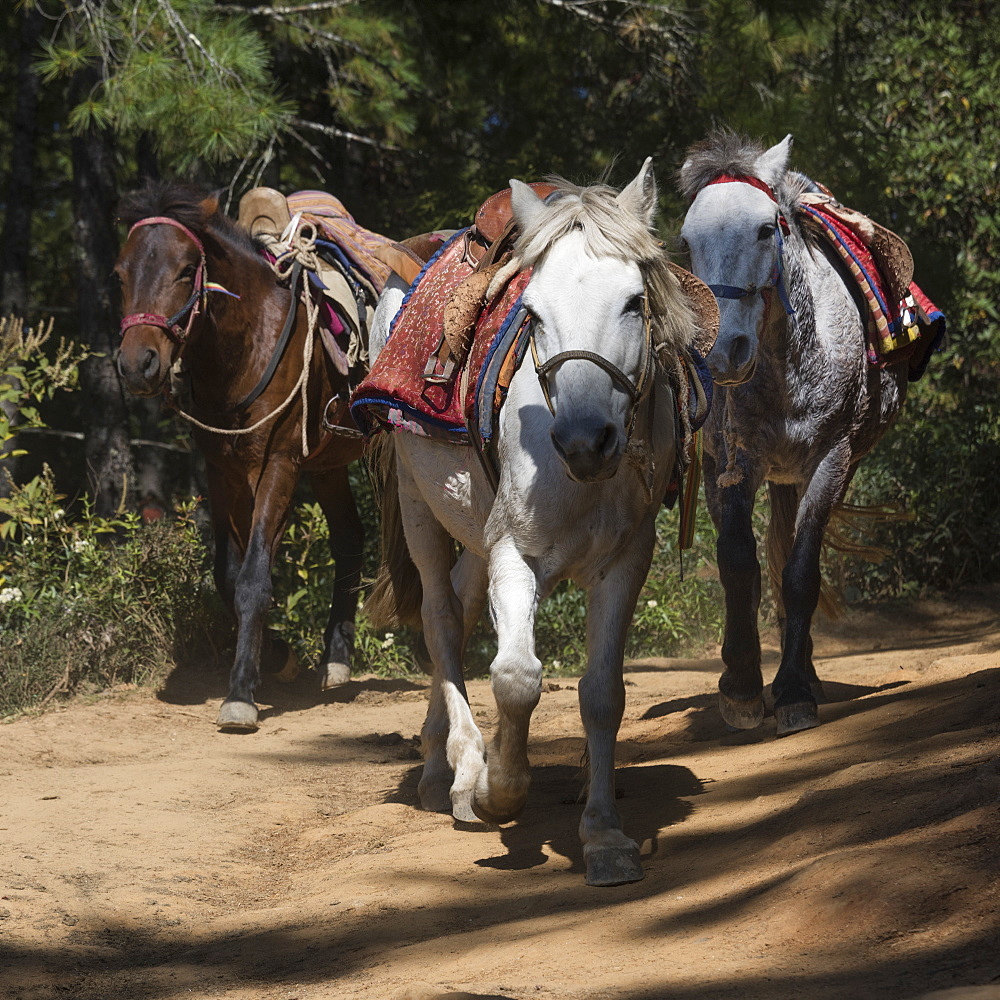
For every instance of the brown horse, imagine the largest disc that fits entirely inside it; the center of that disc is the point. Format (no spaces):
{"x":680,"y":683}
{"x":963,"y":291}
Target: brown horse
{"x":242,"y":340}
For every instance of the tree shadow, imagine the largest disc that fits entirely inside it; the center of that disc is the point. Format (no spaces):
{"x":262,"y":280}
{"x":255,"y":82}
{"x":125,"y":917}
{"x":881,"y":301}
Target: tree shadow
{"x":650,"y":798}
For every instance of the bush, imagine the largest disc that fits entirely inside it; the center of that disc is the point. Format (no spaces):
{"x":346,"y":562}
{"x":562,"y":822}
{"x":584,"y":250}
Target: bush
{"x":94,"y":602}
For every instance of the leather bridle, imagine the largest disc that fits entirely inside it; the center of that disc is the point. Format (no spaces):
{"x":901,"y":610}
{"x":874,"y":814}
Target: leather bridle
{"x":171,"y":324}
{"x":635,"y":392}
{"x":776,"y":278}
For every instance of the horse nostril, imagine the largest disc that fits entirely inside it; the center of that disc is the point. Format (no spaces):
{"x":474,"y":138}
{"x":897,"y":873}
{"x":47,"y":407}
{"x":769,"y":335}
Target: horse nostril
{"x":740,"y":351}
{"x":607,"y":440}
{"x":150,"y":364}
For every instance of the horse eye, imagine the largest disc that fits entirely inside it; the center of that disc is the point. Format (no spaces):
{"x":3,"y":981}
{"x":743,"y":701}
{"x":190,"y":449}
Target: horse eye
{"x":766,"y":231}
{"x":634,"y":304}
{"x":188,"y":273}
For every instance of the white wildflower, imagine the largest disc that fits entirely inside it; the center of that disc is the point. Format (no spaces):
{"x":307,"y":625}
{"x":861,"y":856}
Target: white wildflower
{"x":651,"y":603}
{"x":59,"y":514}
{"x":389,"y":640}
{"x":81,"y":545}
{"x":9,"y":594}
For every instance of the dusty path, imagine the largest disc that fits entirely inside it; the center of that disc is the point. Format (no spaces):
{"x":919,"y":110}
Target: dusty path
{"x":145,"y":855}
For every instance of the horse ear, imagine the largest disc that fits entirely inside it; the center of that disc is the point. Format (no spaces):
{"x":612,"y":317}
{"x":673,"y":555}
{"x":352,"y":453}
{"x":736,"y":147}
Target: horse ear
{"x":210,"y":205}
{"x":771,"y":165}
{"x":639,"y":196}
{"x":525,"y":204}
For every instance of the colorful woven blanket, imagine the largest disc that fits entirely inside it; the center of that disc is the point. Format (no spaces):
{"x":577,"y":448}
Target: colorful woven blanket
{"x":901,"y":322}
{"x":358,"y":244}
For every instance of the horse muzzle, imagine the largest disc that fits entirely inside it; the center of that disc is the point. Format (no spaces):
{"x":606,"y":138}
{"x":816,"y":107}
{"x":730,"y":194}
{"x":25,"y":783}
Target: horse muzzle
{"x":590,"y":450}
{"x":735,"y":363}
{"x":142,"y":370}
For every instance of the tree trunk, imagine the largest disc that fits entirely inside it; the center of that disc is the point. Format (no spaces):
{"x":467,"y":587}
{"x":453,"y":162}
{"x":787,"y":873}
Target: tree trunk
{"x":15,"y":240}
{"x":106,"y":443}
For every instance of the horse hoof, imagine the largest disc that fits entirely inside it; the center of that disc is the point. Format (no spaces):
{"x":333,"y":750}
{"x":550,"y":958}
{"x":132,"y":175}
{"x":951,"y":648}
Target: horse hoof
{"x":495,"y":818}
{"x":741,"y":714}
{"x":290,"y":671}
{"x":334,"y":675}
{"x":462,"y":810}
{"x":613,"y":866}
{"x":238,"y":715}
{"x":435,"y":796}
{"x":795,"y":718}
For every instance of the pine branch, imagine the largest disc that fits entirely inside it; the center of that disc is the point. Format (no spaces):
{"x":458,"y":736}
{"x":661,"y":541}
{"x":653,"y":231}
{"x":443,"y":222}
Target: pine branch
{"x":339,"y":133}
{"x":580,"y":9}
{"x":305,"y":8}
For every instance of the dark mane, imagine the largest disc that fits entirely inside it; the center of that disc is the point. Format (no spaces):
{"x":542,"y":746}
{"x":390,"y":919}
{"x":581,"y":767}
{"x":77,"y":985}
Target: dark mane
{"x":722,"y":151}
{"x":182,"y":202}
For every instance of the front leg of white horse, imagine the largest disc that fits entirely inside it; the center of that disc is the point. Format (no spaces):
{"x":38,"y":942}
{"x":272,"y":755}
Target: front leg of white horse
{"x":611,"y":857}
{"x":516,"y":677}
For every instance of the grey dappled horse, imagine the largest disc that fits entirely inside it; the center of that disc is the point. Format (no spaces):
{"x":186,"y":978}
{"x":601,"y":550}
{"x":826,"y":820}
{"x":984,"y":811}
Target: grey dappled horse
{"x":798,"y":406}
{"x":587,"y":443}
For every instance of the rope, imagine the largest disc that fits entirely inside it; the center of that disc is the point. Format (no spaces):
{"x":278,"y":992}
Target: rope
{"x":302,"y":249}
{"x":733,"y":474}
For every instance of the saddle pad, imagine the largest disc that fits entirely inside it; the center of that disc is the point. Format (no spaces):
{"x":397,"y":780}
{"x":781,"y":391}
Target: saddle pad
{"x":358,"y":244}
{"x":396,"y":394}
{"x":333,"y":331}
{"x":909,"y":329}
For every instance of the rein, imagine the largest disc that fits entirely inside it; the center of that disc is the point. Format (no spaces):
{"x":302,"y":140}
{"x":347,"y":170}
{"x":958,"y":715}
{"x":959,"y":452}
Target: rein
{"x":776,"y":278}
{"x":634,"y":392}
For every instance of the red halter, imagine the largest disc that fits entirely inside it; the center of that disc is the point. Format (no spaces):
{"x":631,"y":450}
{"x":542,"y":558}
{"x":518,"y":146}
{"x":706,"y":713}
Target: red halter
{"x":171,"y":325}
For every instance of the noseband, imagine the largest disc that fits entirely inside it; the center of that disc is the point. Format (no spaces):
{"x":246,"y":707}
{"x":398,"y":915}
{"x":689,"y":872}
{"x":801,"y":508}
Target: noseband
{"x":171,"y":324}
{"x":634,"y":392}
{"x":776,"y":278}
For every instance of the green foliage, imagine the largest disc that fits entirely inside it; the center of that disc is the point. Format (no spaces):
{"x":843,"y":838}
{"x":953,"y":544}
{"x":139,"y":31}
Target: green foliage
{"x":29,"y":377}
{"x":194,"y":79}
{"x":84,"y":600}
{"x":92,"y":602}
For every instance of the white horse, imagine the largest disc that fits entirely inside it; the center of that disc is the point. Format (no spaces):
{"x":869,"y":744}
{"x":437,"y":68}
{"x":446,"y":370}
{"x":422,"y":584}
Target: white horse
{"x":587,"y":444}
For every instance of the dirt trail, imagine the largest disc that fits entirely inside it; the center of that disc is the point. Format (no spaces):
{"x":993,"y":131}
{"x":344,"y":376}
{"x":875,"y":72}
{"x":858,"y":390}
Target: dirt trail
{"x":145,"y":855}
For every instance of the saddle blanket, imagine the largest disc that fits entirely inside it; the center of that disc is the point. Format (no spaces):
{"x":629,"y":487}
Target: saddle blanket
{"x":399,"y":394}
{"x":358,"y":244}
{"x":902,"y":322}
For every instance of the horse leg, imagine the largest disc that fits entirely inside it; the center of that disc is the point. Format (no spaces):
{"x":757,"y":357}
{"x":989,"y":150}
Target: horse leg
{"x":273,"y":502}
{"x":611,"y":857}
{"x":516,"y":679}
{"x":450,"y":740}
{"x":794,"y":700}
{"x":347,"y":539}
{"x":780,"y":535}
{"x":468,"y":580}
{"x":741,"y":685}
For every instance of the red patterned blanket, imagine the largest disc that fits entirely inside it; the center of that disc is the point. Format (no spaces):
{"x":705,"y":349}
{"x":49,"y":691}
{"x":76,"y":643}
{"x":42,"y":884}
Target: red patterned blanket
{"x":407,"y":389}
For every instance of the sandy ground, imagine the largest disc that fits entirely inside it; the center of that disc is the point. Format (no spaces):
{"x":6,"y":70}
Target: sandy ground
{"x":145,"y":855}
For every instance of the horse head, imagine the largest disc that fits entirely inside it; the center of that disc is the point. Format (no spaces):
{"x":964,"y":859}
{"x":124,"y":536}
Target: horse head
{"x":735,"y":231}
{"x":590,"y":249}
{"x":162,"y":271}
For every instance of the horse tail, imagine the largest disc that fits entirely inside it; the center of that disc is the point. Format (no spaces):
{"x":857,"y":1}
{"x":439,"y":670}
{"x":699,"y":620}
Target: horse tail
{"x":395,"y":597}
{"x":842,"y":535}
{"x":784,"y":501}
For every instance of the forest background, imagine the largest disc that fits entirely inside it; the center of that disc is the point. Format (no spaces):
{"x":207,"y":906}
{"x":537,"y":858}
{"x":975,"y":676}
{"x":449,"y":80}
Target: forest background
{"x":412,"y":112}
